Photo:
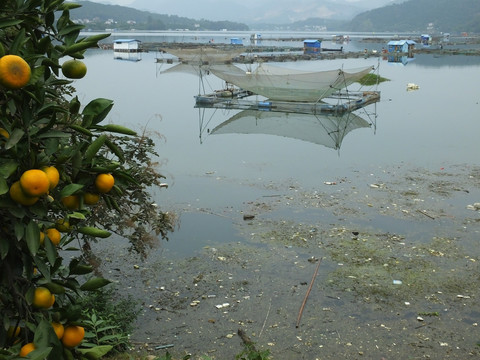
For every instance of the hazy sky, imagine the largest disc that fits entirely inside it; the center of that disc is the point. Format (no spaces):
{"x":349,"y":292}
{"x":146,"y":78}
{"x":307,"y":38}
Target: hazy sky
{"x":186,"y":2}
{"x":275,"y":11}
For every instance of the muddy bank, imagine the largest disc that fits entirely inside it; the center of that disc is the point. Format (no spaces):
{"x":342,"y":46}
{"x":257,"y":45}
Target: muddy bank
{"x":398,"y":278}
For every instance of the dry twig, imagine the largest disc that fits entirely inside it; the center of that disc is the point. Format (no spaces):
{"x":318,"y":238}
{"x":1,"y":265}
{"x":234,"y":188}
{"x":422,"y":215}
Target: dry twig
{"x":306,"y":295}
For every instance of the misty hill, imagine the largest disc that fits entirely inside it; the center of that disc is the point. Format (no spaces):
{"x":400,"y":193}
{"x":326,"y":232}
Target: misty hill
{"x":254,"y":12}
{"x":453,"y":16}
{"x":97,"y":16}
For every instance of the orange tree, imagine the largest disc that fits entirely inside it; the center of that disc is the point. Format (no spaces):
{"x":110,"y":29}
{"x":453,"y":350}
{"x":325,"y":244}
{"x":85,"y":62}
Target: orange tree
{"x":66,"y":178}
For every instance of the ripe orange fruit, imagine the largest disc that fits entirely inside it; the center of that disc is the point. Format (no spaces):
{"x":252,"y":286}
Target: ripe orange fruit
{"x":17,"y":195}
{"x":74,"y":69}
{"x":4,"y":133}
{"x":59,"y":329}
{"x":34,"y":182}
{"x":104,"y":182}
{"x":73,"y":336}
{"x":71,"y":202}
{"x":27,"y":349}
{"x":43,"y":298}
{"x":90,"y":198}
{"x":14,"y":72}
{"x":54,"y":236}
{"x":42,"y":237}
{"x":52,"y":175}
{"x":52,"y":301}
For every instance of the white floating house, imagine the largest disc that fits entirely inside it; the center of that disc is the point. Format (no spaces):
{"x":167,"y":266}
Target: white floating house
{"x":127,"y":49}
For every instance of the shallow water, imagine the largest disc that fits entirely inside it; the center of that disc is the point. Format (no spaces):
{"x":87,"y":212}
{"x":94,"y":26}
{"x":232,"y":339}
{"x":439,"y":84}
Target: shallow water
{"x":433,"y":128}
{"x":390,"y":204}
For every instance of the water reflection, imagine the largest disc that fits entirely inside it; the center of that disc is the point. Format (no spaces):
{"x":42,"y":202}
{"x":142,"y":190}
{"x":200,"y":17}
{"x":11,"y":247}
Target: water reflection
{"x":399,"y":60}
{"x":326,"y":129}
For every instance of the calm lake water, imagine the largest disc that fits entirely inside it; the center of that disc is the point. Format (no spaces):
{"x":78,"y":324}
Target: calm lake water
{"x":431,"y":128}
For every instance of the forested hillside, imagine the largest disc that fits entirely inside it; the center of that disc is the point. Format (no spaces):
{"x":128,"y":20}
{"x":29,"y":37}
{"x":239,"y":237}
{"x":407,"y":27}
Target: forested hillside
{"x":454,"y":16}
{"x":99,"y":17}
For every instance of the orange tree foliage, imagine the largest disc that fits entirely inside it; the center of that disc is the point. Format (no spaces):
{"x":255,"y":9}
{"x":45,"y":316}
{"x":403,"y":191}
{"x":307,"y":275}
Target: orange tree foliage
{"x":44,"y":125}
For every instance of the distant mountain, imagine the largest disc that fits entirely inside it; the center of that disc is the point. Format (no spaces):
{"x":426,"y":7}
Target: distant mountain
{"x":421,"y":16}
{"x":430,"y":16}
{"x":97,"y":16}
{"x":254,"y":12}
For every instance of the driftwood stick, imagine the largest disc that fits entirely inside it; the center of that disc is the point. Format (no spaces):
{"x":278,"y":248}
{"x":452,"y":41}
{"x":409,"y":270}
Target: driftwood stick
{"x":266,"y":317}
{"x":425,"y":213}
{"x":300,"y":312}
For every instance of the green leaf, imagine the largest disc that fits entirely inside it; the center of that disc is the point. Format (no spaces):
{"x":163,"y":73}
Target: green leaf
{"x":79,"y":46}
{"x":69,"y":29}
{"x":118,"y":129}
{"x":55,"y":288}
{"x":4,"y":247}
{"x":53,"y":134}
{"x":77,"y":215}
{"x":7,"y":168}
{"x":14,"y":138}
{"x":97,"y":110}
{"x":70,"y":189}
{"x":95,"y":232}
{"x":42,"y":267}
{"x":3,"y":186}
{"x":97,"y":38}
{"x":37,"y":73}
{"x":50,"y":250}
{"x":32,"y":235}
{"x":18,"y":42}
{"x":116,"y":150}
{"x":9,"y":22}
{"x":77,"y":268}
{"x":68,"y":6}
{"x":94,"y":147}
{"x":40,"y":354}
{"x":94,"y":284}
{"x":45,"y":338}
{"x":97,"y":352}
{"x":80,"y":129}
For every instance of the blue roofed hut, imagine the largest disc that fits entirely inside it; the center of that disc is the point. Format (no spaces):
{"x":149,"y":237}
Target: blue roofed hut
{"x":401,"y":46}
{"x":311,"y":46}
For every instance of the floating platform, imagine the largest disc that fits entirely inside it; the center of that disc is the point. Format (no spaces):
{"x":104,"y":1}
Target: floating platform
{"x":239,"y":99}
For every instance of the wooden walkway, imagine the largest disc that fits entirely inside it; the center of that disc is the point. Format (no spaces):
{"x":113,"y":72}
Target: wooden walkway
{"x":346,"y":102}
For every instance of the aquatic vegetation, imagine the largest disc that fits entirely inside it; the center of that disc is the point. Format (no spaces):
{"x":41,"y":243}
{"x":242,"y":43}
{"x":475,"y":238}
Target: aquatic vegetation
{"x":372,"y":79}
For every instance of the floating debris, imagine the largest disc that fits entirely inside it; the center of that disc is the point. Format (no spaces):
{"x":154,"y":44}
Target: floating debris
{"x":222,"y":306}
{"x":474,"y":207}
{"x":412,"y":86}
{"x":164,"y":346}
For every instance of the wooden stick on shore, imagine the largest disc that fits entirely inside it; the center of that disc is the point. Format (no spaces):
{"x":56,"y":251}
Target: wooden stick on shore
{"x":300,"y":312}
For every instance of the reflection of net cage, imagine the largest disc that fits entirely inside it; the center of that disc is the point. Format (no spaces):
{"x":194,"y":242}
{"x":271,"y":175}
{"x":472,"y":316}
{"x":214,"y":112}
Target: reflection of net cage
{"x":327,"y":129}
